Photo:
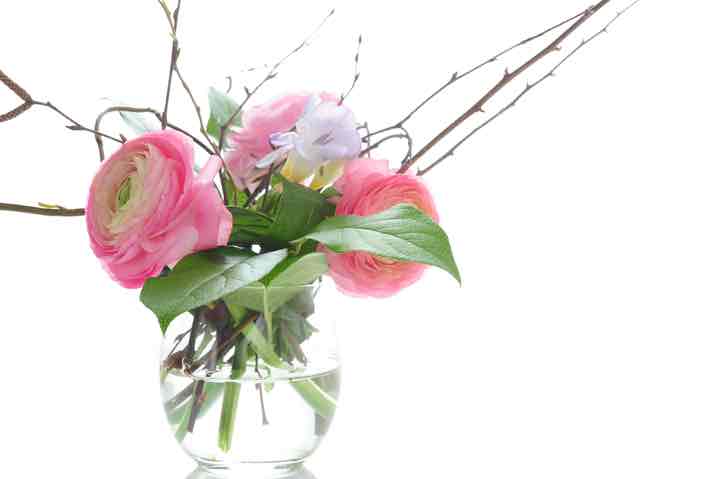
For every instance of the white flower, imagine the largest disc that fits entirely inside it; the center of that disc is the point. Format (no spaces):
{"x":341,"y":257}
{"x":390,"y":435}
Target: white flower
{"x":325,"y":135}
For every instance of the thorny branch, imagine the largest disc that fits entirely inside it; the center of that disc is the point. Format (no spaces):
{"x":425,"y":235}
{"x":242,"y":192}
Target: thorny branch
{"x":506,"y":79}
{"x":527,"y":89}
{"x":272,"y":73}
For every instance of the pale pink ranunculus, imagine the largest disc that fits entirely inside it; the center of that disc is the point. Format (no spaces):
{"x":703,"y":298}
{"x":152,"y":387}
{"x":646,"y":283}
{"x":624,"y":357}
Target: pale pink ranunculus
{"x":147,"y":209}
{"x":251,"y":143}
{"x":369,"y":187}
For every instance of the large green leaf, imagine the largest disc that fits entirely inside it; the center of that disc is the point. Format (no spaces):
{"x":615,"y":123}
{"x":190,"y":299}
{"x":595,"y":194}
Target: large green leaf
{"x":222,"y":108}
{"x":249,"y":226}
{"x":299,"y":210}
{"x":402,"y":233}
{"x":286,"y":281}
{"x":204,"y":277}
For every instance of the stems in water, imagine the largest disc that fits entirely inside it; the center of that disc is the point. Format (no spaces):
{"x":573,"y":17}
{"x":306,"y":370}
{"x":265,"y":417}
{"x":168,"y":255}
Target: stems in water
{"x":231,"y":396}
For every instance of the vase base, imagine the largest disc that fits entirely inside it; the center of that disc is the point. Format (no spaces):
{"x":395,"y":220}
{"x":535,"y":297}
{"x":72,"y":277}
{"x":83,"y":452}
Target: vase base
{"x":288,"y":470}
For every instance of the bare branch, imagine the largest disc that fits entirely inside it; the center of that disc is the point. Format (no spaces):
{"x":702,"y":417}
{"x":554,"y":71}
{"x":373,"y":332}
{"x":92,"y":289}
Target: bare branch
{"x":356,"y":76}
{"x":173,"y":56}
{"x":46,"y":210}
{"x":526,"y":90}
{"x":270,"y":75}
{"x":455,"y":77}
{"x":75,"y":126}
{"x":198,"y":112}
{"x":98,"y":122}
{"x":21,"y":93}
{"x":506,"y":79}
{"x":29,"y":103}
{"x":158,"y":115}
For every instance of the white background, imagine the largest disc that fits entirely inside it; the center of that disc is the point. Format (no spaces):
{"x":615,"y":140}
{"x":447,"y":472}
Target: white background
{"x":584,"y":340}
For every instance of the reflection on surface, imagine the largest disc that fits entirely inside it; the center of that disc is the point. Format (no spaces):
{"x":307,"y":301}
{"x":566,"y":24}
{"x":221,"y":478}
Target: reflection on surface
{"x":245,"y":473}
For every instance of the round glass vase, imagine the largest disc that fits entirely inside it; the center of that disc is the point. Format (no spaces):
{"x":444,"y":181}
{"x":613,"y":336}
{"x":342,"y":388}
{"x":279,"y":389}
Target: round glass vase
{"x":250,"y":383}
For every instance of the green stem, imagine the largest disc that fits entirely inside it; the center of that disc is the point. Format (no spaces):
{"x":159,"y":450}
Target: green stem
{"x":231,"y":396}
{"x":323,"y":403}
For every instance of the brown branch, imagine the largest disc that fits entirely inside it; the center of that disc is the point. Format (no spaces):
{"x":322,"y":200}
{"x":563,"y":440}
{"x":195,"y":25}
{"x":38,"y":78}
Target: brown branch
{"x":75,"y":125}
{"x":198,"y":112}
{"x":270,"y":75}
{"x":384,"y":139}
{"x":173,"y":58}
{"x":455,"y":77}
{"x":112,"y":109}
{"x":356,"y":76}
{"x":44,"y":211}
{"x":527,"y":89}
{"x":506,"y":79}
{"x":29,"y":103}
{"x":21,"y":93}
{"x":157,"y":114}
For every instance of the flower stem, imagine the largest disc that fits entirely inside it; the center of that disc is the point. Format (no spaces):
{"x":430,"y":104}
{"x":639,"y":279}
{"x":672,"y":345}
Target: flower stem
{"x":231,"y":396}
{"x":212,"y":392}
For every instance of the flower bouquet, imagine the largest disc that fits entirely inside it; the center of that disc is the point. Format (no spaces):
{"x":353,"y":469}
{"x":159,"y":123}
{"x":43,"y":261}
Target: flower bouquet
{"x":232,"y":255}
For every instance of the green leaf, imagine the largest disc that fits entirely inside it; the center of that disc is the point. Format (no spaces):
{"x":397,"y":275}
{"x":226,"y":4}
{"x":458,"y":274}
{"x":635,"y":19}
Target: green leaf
{"x":299,"y":210}
{"x":249,"y":227}
{"x":204,"y":277}
{"x":140,"y":122}
{"x":402,"y":233}
{"x":296,"y":271}
{"x":288,"y":280}
{"x":222,"y":108}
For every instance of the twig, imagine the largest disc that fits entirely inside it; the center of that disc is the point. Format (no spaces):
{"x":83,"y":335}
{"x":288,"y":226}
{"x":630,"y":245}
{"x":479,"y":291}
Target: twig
{"x":21,"y":93}
{"x":198,"y":112}
{"x":506,"y":79}
{"x":455,"y":77}
{"x":270,"y":75}
{"x":168,"y":13}
{"x":44,"y":211}
{"x":173,"y":57}
{"x":396,"y":136}
{"x":195,"y":139}
{"x":112,"y":109}
{"x":29,"y":103}
{"x":526,"y":90}
{"x":75,"y":125}
{"x":158,"y":115}
{"x":356,"y":76}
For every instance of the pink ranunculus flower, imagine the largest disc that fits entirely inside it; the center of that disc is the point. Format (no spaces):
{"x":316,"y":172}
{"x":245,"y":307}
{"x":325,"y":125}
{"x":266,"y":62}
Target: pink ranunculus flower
{"x":251,"y":143}
{"x":369,"y":187}
{"x":147,"y":209}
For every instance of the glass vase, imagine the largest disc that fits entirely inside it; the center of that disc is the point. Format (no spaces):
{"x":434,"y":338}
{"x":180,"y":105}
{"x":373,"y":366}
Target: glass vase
{"x":250,"y":383}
